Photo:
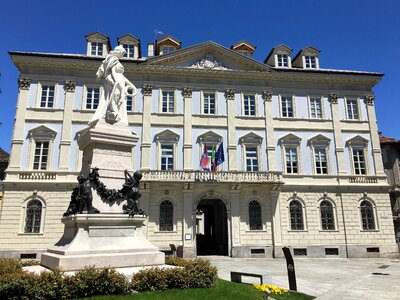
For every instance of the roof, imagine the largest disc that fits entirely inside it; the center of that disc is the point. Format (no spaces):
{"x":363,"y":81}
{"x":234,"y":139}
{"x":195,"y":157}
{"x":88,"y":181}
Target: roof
{"x":247,"y":43}
{"x":387,"y":140}
{"x":4,"y":156}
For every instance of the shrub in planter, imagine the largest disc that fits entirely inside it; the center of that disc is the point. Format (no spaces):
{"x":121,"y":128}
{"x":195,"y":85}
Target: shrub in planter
{"x":149,"y":280}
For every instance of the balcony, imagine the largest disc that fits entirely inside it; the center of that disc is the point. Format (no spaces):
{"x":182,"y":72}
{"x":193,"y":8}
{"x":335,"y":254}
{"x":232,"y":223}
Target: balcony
{"x":34,"y":175}
{"x":199,"y":176}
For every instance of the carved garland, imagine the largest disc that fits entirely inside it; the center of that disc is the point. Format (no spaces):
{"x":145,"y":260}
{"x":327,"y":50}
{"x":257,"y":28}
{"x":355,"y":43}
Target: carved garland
{"x":147,"y":90}
{"x":24,"y":83}
{"x":187,"y":92}
{"x":69,"y":86}
{"x":333,"y":98}
{"x":230,"y":94}
{"x":369,"y":99}
{"x":267,"y":95}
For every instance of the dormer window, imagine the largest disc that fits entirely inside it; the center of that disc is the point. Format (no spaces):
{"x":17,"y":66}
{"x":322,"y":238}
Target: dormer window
{"x":96,"y":49}
{"x":244,"y":47}
{"x":310,"y":62}
{"x":131,"y":44}
{"x":167,"y":49}
{"x":283,"y":60}
{"x":244,"y":52}
{"x":129,"y":51}
{"x":167,"y":44}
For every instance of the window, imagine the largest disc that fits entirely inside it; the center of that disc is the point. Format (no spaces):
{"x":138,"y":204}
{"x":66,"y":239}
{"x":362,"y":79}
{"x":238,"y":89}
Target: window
{"x":251,"y":159}
{"x":96,"y":49}
{"x":41,"y":155}
{"x":249,"y":105}
{"x":130,"y":51}
{"x":287,"y":107}
{"x":291,"y":160}
{"x":33,"y":216}
{"x":320,"y":159}
{"x":315,"y":108}
{"x":255,"y":220}
{"x":244,"y":52}
{"x":166,"y":216}
{"x":92,"y":97}
{"x":129,"y":101}
{"x":167,"y":49}
{"x":359,"y":162}
{"x":283,"y":60}
{"x":209,"y":103}
{"x":47,"y":96}
{"x":327,"y":215}
{"x":310,"y":62}
{"x":296,"y":215}
{"x":167,"y":157}
{"x":168,"y":101}
{"x":367,"y":215}
{"x":352,"y":109}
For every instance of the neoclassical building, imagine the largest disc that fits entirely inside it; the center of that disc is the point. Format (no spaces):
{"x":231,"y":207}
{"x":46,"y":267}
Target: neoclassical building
{"x":302,"y":160}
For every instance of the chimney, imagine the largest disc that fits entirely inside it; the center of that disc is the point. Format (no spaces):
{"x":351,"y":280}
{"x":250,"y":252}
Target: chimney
{"x":150,"y":50}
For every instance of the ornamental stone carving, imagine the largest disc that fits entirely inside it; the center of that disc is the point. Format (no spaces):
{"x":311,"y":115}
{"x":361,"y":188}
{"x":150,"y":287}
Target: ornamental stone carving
{"x":69,"y":86}
{"x":147,"y":90}
{"x":230,"y":94}
{"x":333,"y":98}
{"x":24,"y":83}
{"x":187,"y":92}
{"x":208,"y":62}
{"x":267,"y":95}
{"x":369,"y":99}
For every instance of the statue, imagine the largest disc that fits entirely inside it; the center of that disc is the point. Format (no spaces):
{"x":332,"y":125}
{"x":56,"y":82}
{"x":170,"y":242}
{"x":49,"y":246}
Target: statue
{"x":112,"y":107}
{"x":131,"y":192}
{"x":81,"y":198}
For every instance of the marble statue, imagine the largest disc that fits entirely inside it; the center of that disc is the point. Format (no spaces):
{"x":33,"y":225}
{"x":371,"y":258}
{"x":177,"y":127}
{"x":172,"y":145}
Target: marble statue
{"x":112,"y":107}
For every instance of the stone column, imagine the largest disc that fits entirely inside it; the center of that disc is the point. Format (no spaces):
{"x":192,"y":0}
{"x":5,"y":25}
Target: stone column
{"x":144,"y":203}
{"x":232,"y":147}
{"x":373,"y":129}
{"x":276,"y":220}
{"x":187,"y":130}
{"x":66,"y":138}
{"x":235,"y":216}
{"x":269,"y":130}
{"x":337,"y":132}
{"x":147,"y":91}
{"x":19,"y":126}
{"x":188,"y":221}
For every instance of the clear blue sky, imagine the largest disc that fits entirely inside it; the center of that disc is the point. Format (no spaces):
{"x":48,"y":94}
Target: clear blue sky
{"x":351,"y":34}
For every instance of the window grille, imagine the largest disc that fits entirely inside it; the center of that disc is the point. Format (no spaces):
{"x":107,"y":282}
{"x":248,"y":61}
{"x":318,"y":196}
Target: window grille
{"x":166,"y":216}
{"x":33,"y":216}
{"x":255,"y":220}
{"x":327,"y":218}
{"x":296,"y":215}
{"x":367,"y":215}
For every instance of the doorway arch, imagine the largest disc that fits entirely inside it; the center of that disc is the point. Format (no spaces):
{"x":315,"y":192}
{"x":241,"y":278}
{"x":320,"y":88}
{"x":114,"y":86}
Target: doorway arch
{"x":211,"y":227}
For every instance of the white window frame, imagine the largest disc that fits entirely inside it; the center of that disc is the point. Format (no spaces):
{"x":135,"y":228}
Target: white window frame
{"x":358,"y":143}
{"x":257,"y":148}
{"x":244,"y":96}
{"x":85,"y":94}
{"x":133,"y":102}
{"x":335,"y":224}
{"x":130,"y":53}
{"x":311,"y":60}
{"x":203,"y":102}
{"x":162,"y":91}
{"x":166,"y":49}
{"x":354,"y":161}
{"x":209,"y":138}
{"x":292,"y":99}
{"x":251,"y":140}
{"x":310,"y":111}
{"x":37,"y":135}
{"x":98,"y":46}
{"x":291,"y":141}
{"x":350,"y":116}
{"x":169,"y":138}
{"x":39,"y":95}
{"x":320,"y":141}
{"x":280,"y":60}
{"x":23,"y":216}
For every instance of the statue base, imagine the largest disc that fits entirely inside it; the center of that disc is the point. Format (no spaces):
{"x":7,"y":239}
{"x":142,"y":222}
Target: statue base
{"x":102,"y":240}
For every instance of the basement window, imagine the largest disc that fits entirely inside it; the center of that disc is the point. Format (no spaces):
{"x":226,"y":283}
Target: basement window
{"x":373,"y":250}
{"x":300,"y":252}
{"x":331,"y":251}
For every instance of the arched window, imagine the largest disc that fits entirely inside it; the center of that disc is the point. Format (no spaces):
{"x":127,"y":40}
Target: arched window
{"x":33,"y":216}
{"x":296,"y":215}
{"x":327,"y":216}
{"x":166,"y":216}
{"x":367,"y":215}
{"x":255,"y":220}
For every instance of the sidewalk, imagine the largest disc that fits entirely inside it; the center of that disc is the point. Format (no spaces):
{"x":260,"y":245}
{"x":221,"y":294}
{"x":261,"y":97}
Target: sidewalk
{"x":335,"y":278}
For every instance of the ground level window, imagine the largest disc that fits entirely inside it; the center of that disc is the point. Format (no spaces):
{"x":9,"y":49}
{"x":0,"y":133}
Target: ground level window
{"x":296,"y":215}
{"x":367,"y":215}
{"x":33,"y":216}
{"x":166,"y":216}
{"x":255,"y":221}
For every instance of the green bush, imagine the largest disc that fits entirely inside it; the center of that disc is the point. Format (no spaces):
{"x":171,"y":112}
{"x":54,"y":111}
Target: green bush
{"x":9,"y":267}
{"x":189,"y":274}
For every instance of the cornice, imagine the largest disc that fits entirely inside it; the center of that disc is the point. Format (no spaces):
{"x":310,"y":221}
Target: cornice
{"x":25,"y":62}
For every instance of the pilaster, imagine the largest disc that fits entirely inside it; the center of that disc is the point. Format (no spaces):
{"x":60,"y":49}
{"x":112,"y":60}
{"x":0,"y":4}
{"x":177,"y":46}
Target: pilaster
{"x":235,"y":215}
{"x":144,"y":204}
{"x":373,"y":129}
{"x":66,"y":138}
{"x":337,"y":132}
{"x":276,"y":218}
{"x":187,"y":130}
{"x":188,"y":221}
{"x":19,"y":126}
{"x":232,"y":148}
{"x":269,"y":130}
{"x":147,"y":92}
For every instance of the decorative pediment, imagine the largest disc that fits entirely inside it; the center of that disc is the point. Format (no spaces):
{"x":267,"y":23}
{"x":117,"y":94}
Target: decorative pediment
{"x":357,"y":140}
{"x":128,"y":39}
{"x":319,"y":139}
{"x":209,"y":137}
{"x":208,"y":56}
{"x":166,"y":136}
{"x":290,"y":139}
{"x":280,"y":49}
{"x":42,"y":132}
{"x":97,"y":37}
{"x":250,"y":138}
{"x":307,"y":51}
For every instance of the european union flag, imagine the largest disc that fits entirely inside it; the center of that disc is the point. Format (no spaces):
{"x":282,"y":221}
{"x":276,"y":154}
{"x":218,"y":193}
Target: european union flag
{"x":219,"y":155}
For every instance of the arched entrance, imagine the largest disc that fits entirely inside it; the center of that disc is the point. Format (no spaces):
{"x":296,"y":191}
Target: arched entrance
{"x":211,"y":228}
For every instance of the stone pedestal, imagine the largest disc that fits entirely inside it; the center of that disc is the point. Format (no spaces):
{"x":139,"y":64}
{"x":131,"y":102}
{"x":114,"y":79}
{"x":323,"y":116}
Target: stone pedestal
{"x":102,"y":240}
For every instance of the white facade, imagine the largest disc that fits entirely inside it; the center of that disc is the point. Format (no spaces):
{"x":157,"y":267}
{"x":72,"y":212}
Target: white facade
{"x":302,"y":166}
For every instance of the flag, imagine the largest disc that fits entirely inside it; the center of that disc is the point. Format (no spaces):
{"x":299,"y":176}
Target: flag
{"x":213,"y":159}
{"x":219,"y":156}
{"x":204,"y":160}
